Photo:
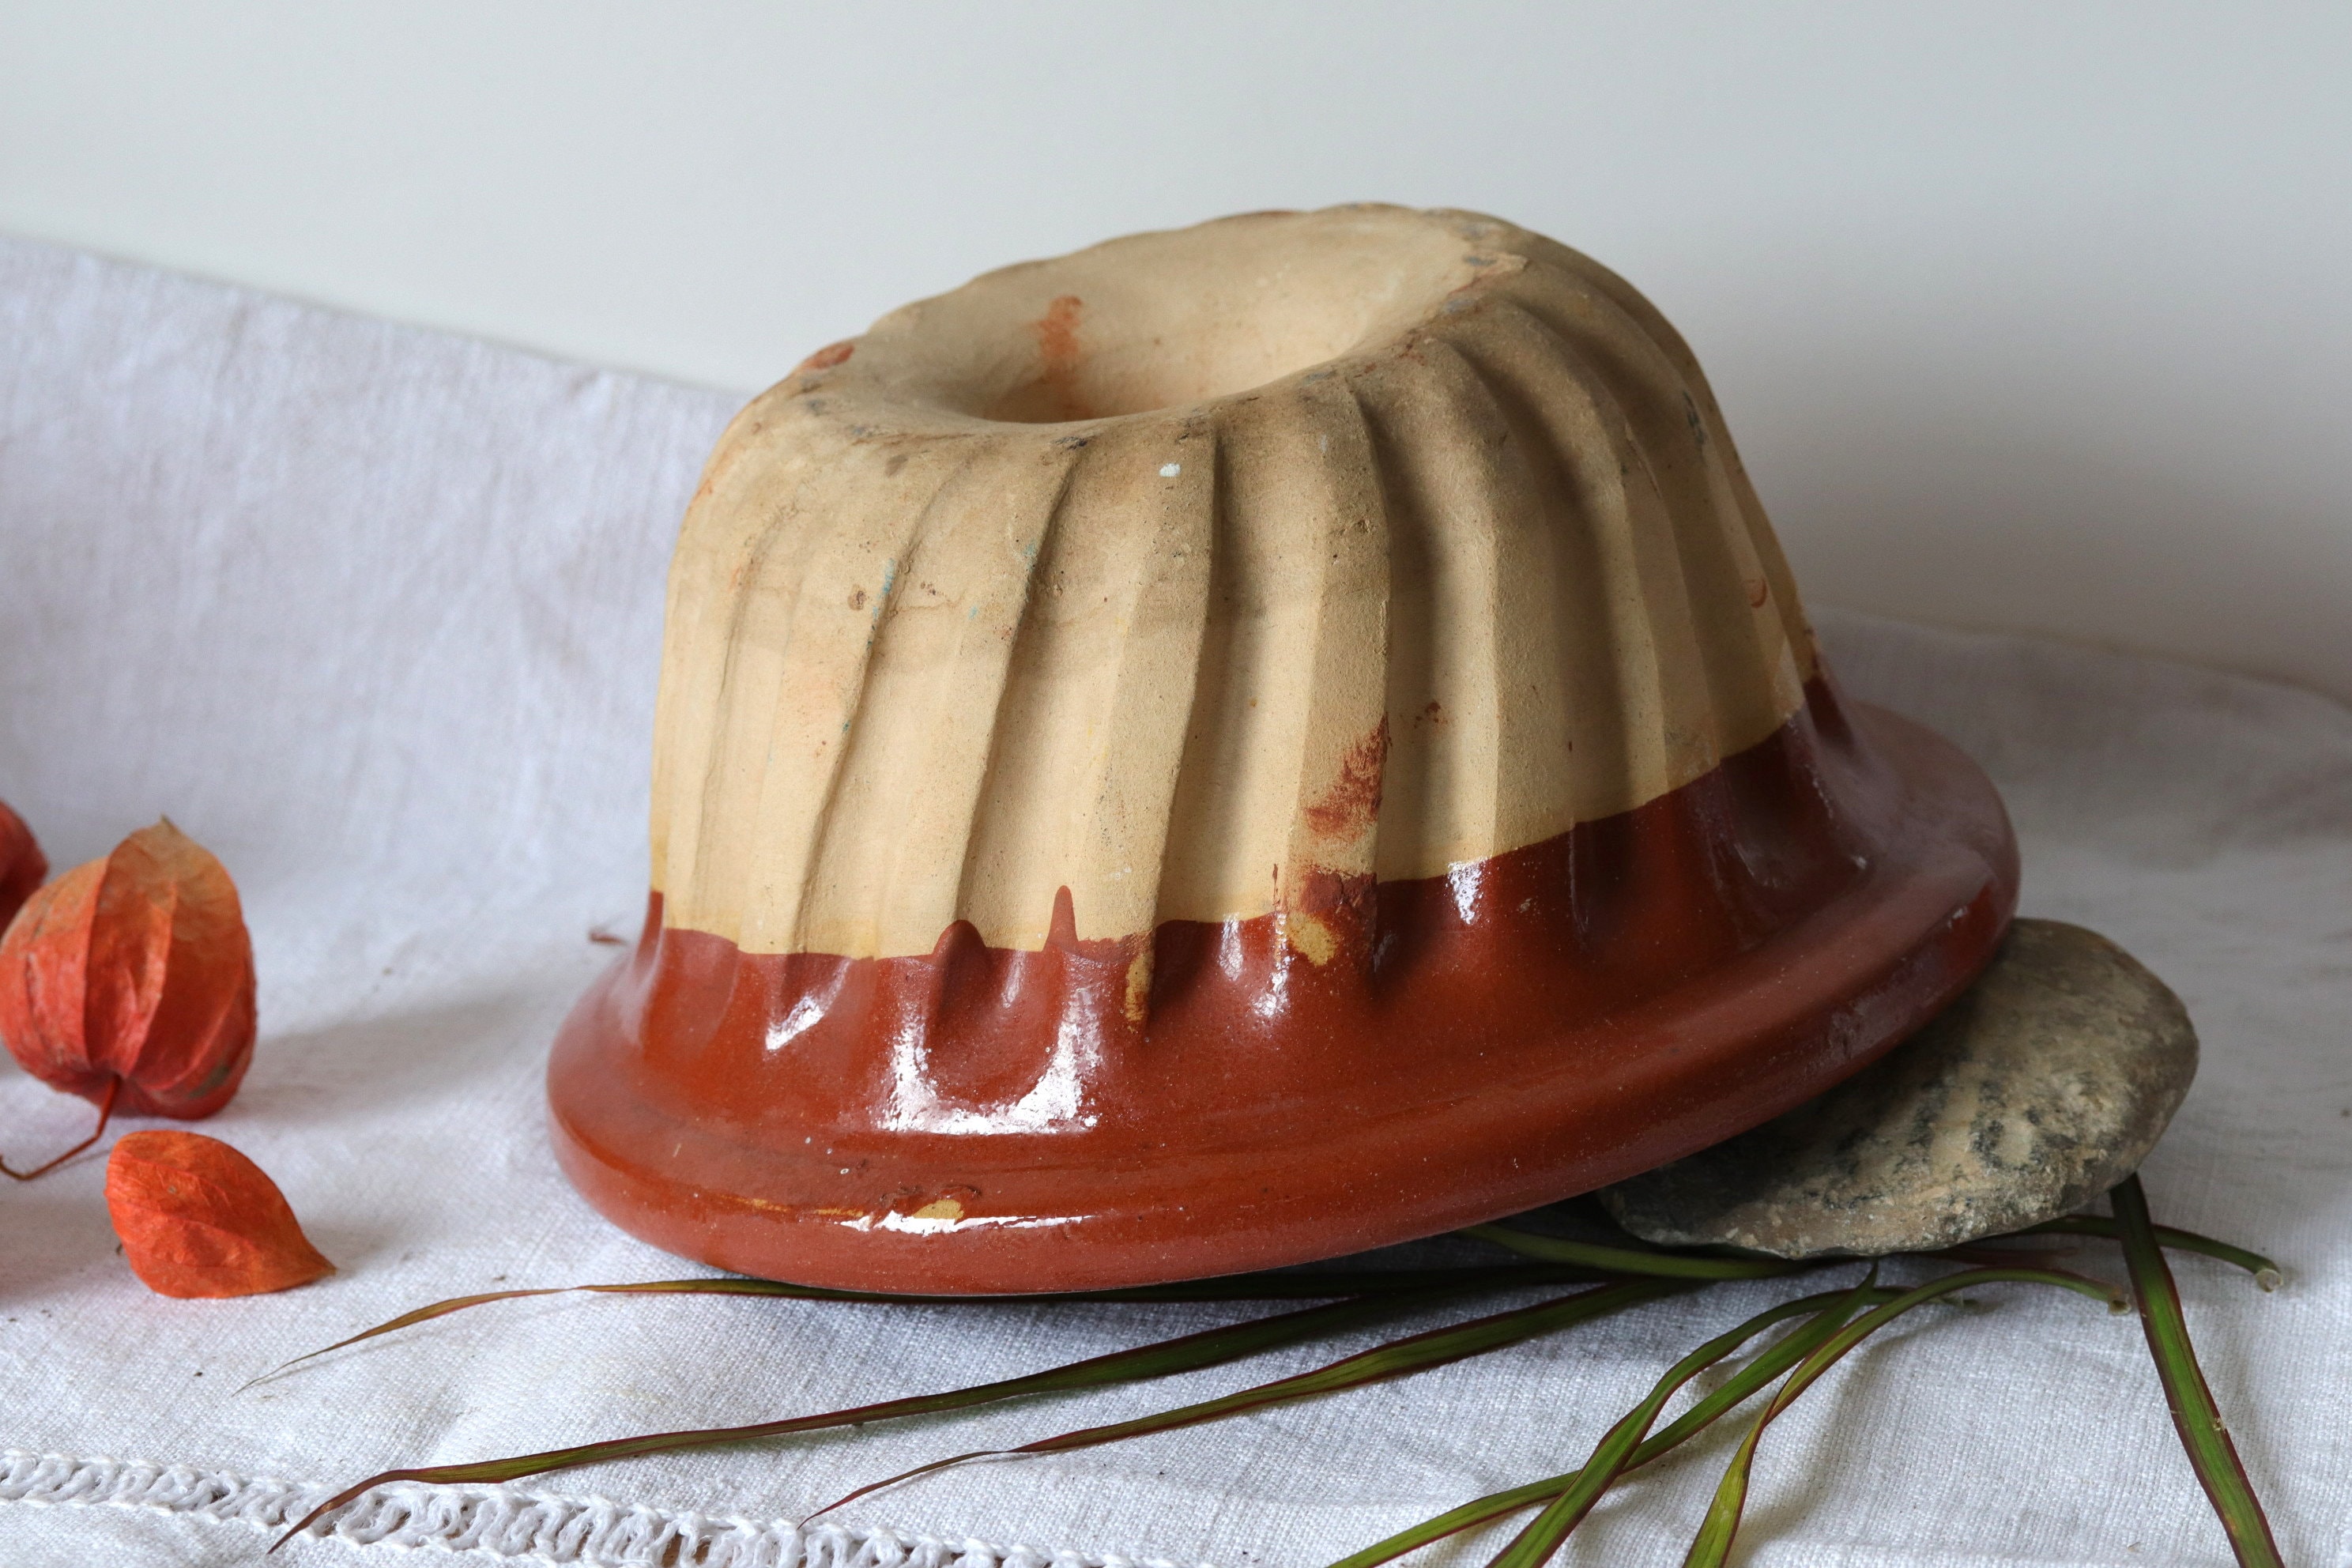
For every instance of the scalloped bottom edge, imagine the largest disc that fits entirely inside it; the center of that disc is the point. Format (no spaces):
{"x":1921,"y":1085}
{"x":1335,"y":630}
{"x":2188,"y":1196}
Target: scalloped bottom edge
{"x":504,"y":1523}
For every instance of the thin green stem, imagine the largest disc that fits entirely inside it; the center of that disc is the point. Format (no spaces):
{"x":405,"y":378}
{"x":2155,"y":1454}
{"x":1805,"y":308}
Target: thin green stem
{"x":1774,"y":1359}
{"x":1398,"y":1358}
{"x":1210,"y":1347}
{"x":1630,"y":1260}
{"x":1288,"y":1285}
{"x":1544,"y":1534}
{"x":2194,"y":1415}
{"x":1715,"y":1533}
{"x":2267,"y":1275}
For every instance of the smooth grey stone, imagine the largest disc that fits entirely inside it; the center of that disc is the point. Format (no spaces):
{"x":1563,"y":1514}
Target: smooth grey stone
{"x":2045,"y":1084}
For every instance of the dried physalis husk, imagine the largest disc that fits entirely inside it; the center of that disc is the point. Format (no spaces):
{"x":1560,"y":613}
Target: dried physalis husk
{"x":197,"y":1218}
{"x":135,"y":967}
{"x":129,"y":981}
{"x":22,"y":866}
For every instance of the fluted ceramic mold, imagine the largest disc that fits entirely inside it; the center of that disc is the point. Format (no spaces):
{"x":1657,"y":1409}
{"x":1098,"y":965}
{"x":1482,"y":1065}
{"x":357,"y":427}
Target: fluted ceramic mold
{"x":1233,"y":746}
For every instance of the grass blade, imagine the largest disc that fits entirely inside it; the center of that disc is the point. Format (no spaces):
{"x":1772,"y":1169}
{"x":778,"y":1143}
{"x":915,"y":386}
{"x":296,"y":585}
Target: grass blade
{"x":1628,"y":1260}
{"x":2267,"y":1275}
{"x":1326,"y":1284}
{"x":425,"y":1314}
{"x":1774,"y":1359}
{"x":2194,"y":1415}
{"x":1398,"y":1358}
{"x":1715,"y":1533}
{"x":1323,"y":1284}
{"x":1305,"y":1285}
{"x":1209,"y":1347}
{"x":1468,"y":1516}
{"x":1722,"y":1522}
{"x":723,"y":1285}
{"x":1544,"y":1534}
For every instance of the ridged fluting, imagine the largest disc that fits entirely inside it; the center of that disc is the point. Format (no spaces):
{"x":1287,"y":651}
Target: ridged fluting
{"x":1493,"y":571}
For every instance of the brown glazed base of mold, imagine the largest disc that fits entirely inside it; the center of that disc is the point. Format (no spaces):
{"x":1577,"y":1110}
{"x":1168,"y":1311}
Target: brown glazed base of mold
{"x":1377,"y":1064}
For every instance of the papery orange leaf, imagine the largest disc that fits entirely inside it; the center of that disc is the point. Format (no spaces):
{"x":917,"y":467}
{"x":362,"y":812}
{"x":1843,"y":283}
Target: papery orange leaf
{"x":22,"y":866}
{"x":133,"y":977}
{"x":197,"y":1218}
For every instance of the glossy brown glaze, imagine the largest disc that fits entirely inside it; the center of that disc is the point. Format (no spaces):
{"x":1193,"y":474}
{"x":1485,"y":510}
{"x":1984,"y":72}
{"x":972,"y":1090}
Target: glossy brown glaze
{"x":1376,"y":1063}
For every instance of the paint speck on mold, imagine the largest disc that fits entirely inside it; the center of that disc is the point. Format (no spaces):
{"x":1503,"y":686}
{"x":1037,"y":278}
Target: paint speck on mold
{"x":1169,"y":470}
{"x":1310,"y":938}
{"x":1139,"y":985}
{"x":827,"y":357}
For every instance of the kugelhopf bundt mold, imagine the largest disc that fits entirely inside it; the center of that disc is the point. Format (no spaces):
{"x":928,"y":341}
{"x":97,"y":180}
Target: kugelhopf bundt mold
{"x":1236,"y":746}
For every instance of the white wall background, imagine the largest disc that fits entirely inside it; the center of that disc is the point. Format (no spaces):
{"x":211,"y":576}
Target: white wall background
{"x":2025,"y":315}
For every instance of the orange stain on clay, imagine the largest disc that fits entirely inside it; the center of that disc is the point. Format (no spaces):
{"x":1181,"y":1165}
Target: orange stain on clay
{"x":828,"y":356}
{"x":1350,"y":807}
{"x":1057,"y":344}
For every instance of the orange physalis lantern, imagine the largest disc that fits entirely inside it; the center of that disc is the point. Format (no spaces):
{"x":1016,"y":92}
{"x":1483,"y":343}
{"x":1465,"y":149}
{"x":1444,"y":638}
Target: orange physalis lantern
{"x":22,"y":864}
{"x":129,"y":981}
{"x":197,"y":1218}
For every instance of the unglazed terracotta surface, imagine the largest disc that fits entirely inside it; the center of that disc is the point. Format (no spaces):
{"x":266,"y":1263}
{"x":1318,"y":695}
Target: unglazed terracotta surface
{"x":1235,"y":746}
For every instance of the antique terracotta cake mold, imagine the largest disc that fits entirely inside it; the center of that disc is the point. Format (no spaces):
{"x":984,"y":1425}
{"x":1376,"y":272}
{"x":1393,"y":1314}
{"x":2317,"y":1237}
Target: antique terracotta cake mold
{"x":1236,"y":746}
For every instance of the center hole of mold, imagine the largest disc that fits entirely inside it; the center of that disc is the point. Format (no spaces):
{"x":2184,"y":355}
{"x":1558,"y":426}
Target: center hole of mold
{"x":1099,"y":362}
{"x":1168,"y":321}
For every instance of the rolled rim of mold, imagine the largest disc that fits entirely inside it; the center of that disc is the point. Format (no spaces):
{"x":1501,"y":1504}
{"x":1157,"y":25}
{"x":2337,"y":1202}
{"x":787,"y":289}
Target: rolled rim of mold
{"x":2044,"y":1085}
{"x":1235,"y":746}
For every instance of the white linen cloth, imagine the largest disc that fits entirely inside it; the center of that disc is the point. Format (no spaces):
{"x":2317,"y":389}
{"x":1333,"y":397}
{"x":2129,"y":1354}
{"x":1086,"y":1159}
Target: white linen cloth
{"x":374,"y":612}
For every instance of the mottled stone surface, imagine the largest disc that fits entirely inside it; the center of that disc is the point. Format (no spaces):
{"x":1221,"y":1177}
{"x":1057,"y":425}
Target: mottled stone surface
{"x":2045,"y":1084}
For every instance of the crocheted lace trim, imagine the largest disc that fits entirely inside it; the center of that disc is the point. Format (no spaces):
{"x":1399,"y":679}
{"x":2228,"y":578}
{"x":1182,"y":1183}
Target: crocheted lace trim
{"x":509,"y":1523}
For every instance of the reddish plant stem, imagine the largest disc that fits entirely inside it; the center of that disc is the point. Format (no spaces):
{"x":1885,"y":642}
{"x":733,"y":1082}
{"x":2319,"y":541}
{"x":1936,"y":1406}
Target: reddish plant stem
{"x":105,"y":1114}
